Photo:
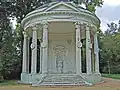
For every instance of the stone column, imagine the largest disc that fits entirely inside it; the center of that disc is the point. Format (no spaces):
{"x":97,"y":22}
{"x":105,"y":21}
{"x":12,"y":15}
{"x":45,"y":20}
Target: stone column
{"x":45,"y":48}
{"x":24,"y":63}
{"x":96,"y":51}
{"x":40,"y":57}
{"x":78,"y":49}
{"x":28,"y":53}
{"x":34,"y":51}
{"x":88,"y":51}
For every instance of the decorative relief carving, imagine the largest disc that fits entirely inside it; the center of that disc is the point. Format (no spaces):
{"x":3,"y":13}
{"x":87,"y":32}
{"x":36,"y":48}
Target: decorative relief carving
{"x":32,"y":46}
{"x":60,"y":52}
{"x":79,"y":44}
{"x":90,"y":45}
{"x":43,"y":44}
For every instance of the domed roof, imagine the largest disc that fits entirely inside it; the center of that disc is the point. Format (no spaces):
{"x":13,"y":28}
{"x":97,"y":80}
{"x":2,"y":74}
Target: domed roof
{"x":46,"y":7}
{"x":61,"y":11}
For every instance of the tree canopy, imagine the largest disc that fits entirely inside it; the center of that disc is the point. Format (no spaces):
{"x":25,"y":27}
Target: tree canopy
{"x":110,"y":49}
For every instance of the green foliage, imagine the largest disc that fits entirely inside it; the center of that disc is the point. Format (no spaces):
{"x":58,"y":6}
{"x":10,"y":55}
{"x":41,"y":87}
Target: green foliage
{"x":110,"y":49}
{"x":92,"y":4}
{"x":8,"y":83}
{"x":114,"y":76}
{"x":9,"y":57}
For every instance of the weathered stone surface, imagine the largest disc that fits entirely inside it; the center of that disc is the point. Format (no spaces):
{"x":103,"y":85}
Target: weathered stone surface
{"x":62,"y":79}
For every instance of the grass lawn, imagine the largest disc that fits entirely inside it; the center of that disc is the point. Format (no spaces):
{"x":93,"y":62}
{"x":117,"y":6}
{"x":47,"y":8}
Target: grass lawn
{"x":114,"y":76}
{"x":8,"y":82}
{"x":14,"y":82}
{"x":109,"y":84}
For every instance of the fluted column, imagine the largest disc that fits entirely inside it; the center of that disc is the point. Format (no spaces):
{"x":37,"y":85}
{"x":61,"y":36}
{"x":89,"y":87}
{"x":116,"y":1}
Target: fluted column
{"x":24,"y":63}
{"x":34,"y":51}
{"x":28,"y":53}
{"x":40,"y":57}
{"x":78,"y":49}
{"x":45,"y":48}
{"x":96,"y":51}
{"x":88,"y":50}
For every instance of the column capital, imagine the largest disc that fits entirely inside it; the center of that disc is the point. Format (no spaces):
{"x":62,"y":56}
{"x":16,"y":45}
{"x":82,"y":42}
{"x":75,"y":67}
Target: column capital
{"x":25,"y":34}
{"x":77,"y":25}
{"x":34,"y":28}
{"x":45,"y":24}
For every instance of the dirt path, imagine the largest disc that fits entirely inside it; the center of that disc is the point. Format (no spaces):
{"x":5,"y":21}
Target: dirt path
{"x":109,"y":84}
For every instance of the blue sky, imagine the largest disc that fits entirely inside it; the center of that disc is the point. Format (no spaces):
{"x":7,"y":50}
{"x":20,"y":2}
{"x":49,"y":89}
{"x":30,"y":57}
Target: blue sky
{"x":110,"y":12}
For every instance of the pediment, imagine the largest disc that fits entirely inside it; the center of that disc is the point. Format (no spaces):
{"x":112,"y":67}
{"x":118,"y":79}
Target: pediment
{"x":62,"y":7}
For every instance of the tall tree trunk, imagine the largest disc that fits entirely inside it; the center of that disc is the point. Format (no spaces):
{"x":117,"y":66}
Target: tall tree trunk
{"x":109,"y":70}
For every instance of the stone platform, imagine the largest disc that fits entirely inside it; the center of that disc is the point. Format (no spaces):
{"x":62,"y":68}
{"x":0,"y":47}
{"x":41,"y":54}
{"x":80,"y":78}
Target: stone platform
{"x":61,"y":79}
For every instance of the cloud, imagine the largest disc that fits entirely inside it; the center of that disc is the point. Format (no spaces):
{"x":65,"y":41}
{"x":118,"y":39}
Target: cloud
{"x":108,"y":13}
{"x":112,"y":2}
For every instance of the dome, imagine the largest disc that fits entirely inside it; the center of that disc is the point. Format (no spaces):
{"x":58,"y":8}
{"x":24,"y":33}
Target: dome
{"x":60,"y":11}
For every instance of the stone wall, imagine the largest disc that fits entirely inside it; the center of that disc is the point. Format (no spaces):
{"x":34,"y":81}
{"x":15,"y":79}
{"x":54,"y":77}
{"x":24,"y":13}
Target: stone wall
{"x":69,"y":56}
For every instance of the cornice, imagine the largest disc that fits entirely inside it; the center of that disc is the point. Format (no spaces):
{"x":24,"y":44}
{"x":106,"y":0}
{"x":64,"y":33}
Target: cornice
{"x":58,"y":15}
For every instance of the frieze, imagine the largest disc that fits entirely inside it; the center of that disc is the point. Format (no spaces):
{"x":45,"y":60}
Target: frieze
{"x":51,"y":16}
{"x":62,"y":17}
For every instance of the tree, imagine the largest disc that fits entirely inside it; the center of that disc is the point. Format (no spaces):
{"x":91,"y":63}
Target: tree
{"x":110,"y":44}
{"x":11,"y":40}
{"x":9,"y":57}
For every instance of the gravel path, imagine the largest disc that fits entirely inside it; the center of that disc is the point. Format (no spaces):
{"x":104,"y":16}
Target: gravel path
{"x":109,"y":84}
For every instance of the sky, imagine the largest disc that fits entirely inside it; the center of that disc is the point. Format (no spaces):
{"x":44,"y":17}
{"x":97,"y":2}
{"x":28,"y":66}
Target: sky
{"x":110,"y":12}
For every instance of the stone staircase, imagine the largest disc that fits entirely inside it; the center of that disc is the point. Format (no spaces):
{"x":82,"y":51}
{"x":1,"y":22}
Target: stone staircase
{"x":62,"y":79}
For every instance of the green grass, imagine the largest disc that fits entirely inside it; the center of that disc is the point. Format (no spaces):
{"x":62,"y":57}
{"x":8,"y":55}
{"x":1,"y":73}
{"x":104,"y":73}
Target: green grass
{"x":8,"y":82}
{"x":114,"y":76}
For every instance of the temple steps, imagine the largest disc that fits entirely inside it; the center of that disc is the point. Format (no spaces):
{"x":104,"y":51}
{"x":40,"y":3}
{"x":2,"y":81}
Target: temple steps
{"x":60,"y":79}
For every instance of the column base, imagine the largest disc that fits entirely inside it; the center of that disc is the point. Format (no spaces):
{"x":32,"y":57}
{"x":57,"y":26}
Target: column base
{"x":30,"y":78}
{"x":24,"y":78}
{"x":92,"y":78}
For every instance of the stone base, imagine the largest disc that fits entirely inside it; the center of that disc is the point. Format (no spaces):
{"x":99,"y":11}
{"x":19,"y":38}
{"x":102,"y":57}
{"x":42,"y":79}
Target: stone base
{"x":30,"y":78}
{"x":92,"y":78}
{"x":60,"y":79}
